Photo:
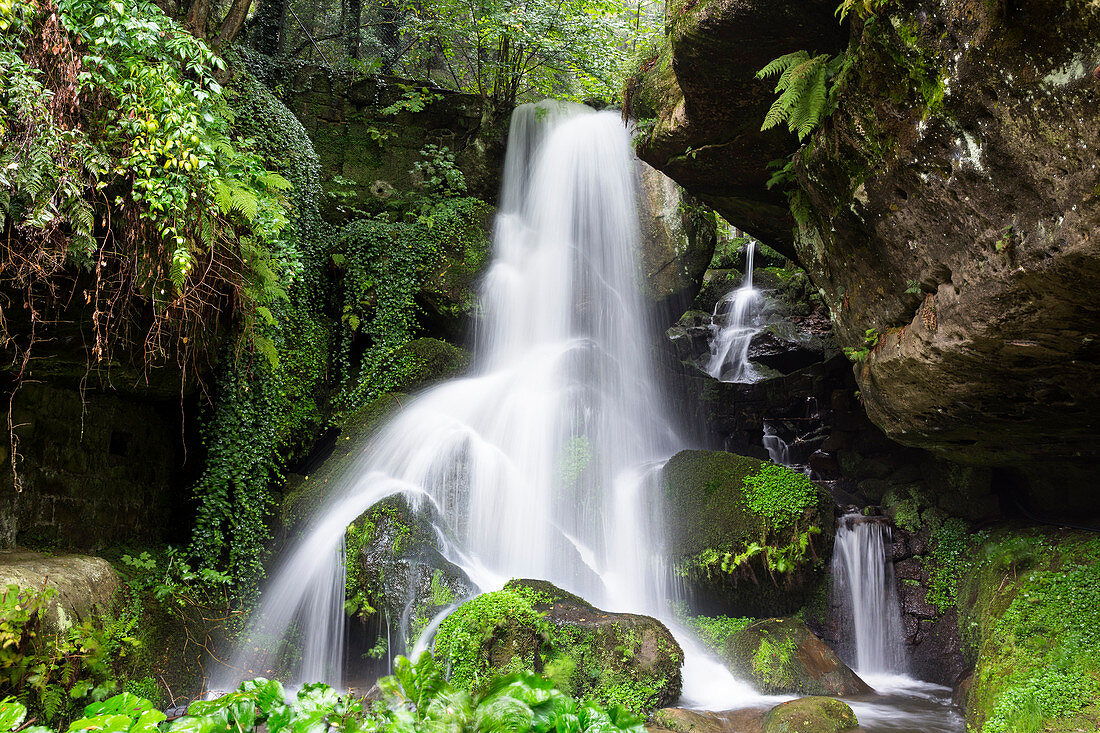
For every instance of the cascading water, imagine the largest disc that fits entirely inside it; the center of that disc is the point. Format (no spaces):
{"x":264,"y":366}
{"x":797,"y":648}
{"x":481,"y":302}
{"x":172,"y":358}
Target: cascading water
{"x":864,"y":584}
{"x":739,"y":310}
{"x":542,"y":462}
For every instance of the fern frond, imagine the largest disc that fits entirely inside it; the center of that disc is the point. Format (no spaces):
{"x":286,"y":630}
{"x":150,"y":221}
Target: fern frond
{"x":275,"y":181}
{"x":265,"y":346}
{"x":776,"y":66}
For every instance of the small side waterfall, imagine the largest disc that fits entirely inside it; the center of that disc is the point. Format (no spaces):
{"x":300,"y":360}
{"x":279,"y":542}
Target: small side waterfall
{"x":739,"y":311}
{"x":863,"y":578}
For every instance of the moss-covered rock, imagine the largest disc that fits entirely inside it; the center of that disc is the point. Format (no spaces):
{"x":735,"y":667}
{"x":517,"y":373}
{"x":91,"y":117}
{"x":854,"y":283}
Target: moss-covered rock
{"x":1029,"y":613}
{"x":396,"y":568}
{"x":782,"y":656}
{"x":748,"y":537}
{"x":810,"y":715}
{"x":591,"y":654}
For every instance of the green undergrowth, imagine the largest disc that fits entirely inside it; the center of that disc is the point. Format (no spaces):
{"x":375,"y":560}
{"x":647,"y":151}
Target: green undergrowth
{"x":714,"y":630}
{"x":506,"y":631}
{"x":151,"y":640}
{"x":1029,"y":611}
{"x":415,"y":698}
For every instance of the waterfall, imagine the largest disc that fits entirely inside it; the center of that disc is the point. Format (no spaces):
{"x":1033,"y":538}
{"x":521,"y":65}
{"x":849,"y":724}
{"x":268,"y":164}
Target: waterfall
{"x":864,"y":585}
{"x":543,"y":462}
{"x":740,"y":312}
{"x":778,"y":450}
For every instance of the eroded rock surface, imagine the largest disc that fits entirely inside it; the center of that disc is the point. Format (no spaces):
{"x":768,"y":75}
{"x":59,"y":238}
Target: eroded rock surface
{"x":84,"y":585}
{"x":947,"y":210}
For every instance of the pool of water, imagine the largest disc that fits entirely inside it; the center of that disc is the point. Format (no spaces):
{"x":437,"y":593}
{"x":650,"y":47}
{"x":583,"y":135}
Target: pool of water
{"x":905,"y":705}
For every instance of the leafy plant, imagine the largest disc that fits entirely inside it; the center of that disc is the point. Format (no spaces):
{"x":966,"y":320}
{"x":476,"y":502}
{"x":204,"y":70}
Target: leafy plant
{"x":803,"y":87}
{"x":863,"y":8}
{"x":860,"y":353}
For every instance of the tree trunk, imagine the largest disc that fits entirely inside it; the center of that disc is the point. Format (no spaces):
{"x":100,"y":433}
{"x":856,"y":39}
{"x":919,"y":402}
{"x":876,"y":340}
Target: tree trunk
{"x":232,"y":24}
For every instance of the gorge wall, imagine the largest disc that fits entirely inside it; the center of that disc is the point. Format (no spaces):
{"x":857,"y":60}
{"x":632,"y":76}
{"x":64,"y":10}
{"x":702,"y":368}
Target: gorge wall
{"x":944,"y":210}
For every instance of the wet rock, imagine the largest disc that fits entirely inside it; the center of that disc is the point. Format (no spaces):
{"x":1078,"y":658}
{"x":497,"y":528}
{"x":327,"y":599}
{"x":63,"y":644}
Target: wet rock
{"x":938,"y":657}
{"x":708,"y":517}
{"x":592,"y":654}
{"x":810,"y":715}
{"x":682,"y":720}
{"x":782,"y":656}
{"x":84,"y":585}
{"x":914,"y":601}
{"x":396,"y":565}
{"x":911,"y":569}
{"x":678,"y":238}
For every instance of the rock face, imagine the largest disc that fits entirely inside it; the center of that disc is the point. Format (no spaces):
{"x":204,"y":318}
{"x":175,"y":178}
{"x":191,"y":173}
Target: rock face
{"x":533,"y":625}
{"x":97,"y":469}
{"x":700,"y":107}
{"x":710,"y":519}
{"x":946,"y":209}
{"x":84,"y":585}
{"x":782,"y":656}
{"x":678,"y":238}
{"x":816,"y":714}
{"x":396,"y":565}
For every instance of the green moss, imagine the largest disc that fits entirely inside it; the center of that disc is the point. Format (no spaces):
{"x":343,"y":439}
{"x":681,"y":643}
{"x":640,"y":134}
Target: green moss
{"x":817,"y":714}
{"x":779,"y":494}
{"x":629,"y":662}
{"x":716,"y":630}
{"x":947,"y":563}
{"x":463,"y":634}
{"x":771,"y":663}
{"x":1030,"y":613}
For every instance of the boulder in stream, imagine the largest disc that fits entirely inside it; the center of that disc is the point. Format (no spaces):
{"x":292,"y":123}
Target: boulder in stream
{"x":532,"y":625}
{"x":396,"y":566}
{"x":810,"y":715}
{"x":782,"y":656}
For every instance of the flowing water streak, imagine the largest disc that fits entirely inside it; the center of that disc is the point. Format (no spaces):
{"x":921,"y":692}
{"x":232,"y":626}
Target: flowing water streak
{"x":542,"y":462}
{"x":729,"y":347}
{"x":865,"y":585}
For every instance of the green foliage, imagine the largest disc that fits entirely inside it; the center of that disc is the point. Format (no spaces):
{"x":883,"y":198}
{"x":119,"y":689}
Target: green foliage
{"x":508,"y":52}
{"x":714,"y":630}
{"x":1030,"y":606}
{"x":805,"y":95}
{"x":385,"y":261}
{"x":772,"y":662}
{"x":779,"y":494}
{"x":53,"y":671}
{"x":863,"y":8}
{"x":440,"y":176}
{"x":462,"y":634}
{"x":116,"y":131}
{"x":948,"y":561}
{"x":861,"y":353}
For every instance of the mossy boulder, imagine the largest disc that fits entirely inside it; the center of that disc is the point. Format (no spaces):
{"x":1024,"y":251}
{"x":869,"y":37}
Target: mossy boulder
{"x":396,"y":567}
{"x":782,"y":656}
{"x":84,"y":586}
{"x":535,"y":626}
{"x":810,"y":715}
{"x":748,"y":537}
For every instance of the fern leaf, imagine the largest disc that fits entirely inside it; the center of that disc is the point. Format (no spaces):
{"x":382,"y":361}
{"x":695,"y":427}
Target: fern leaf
{"x":265,"y":346}
{"x":781,"y":64}
{"x":275,"y":181}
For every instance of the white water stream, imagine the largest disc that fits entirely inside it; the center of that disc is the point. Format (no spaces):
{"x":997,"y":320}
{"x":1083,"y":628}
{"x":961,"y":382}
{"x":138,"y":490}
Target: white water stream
{"x":736,"y":320}
{"x":864,"y":583}
{"x":543,"y":461}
